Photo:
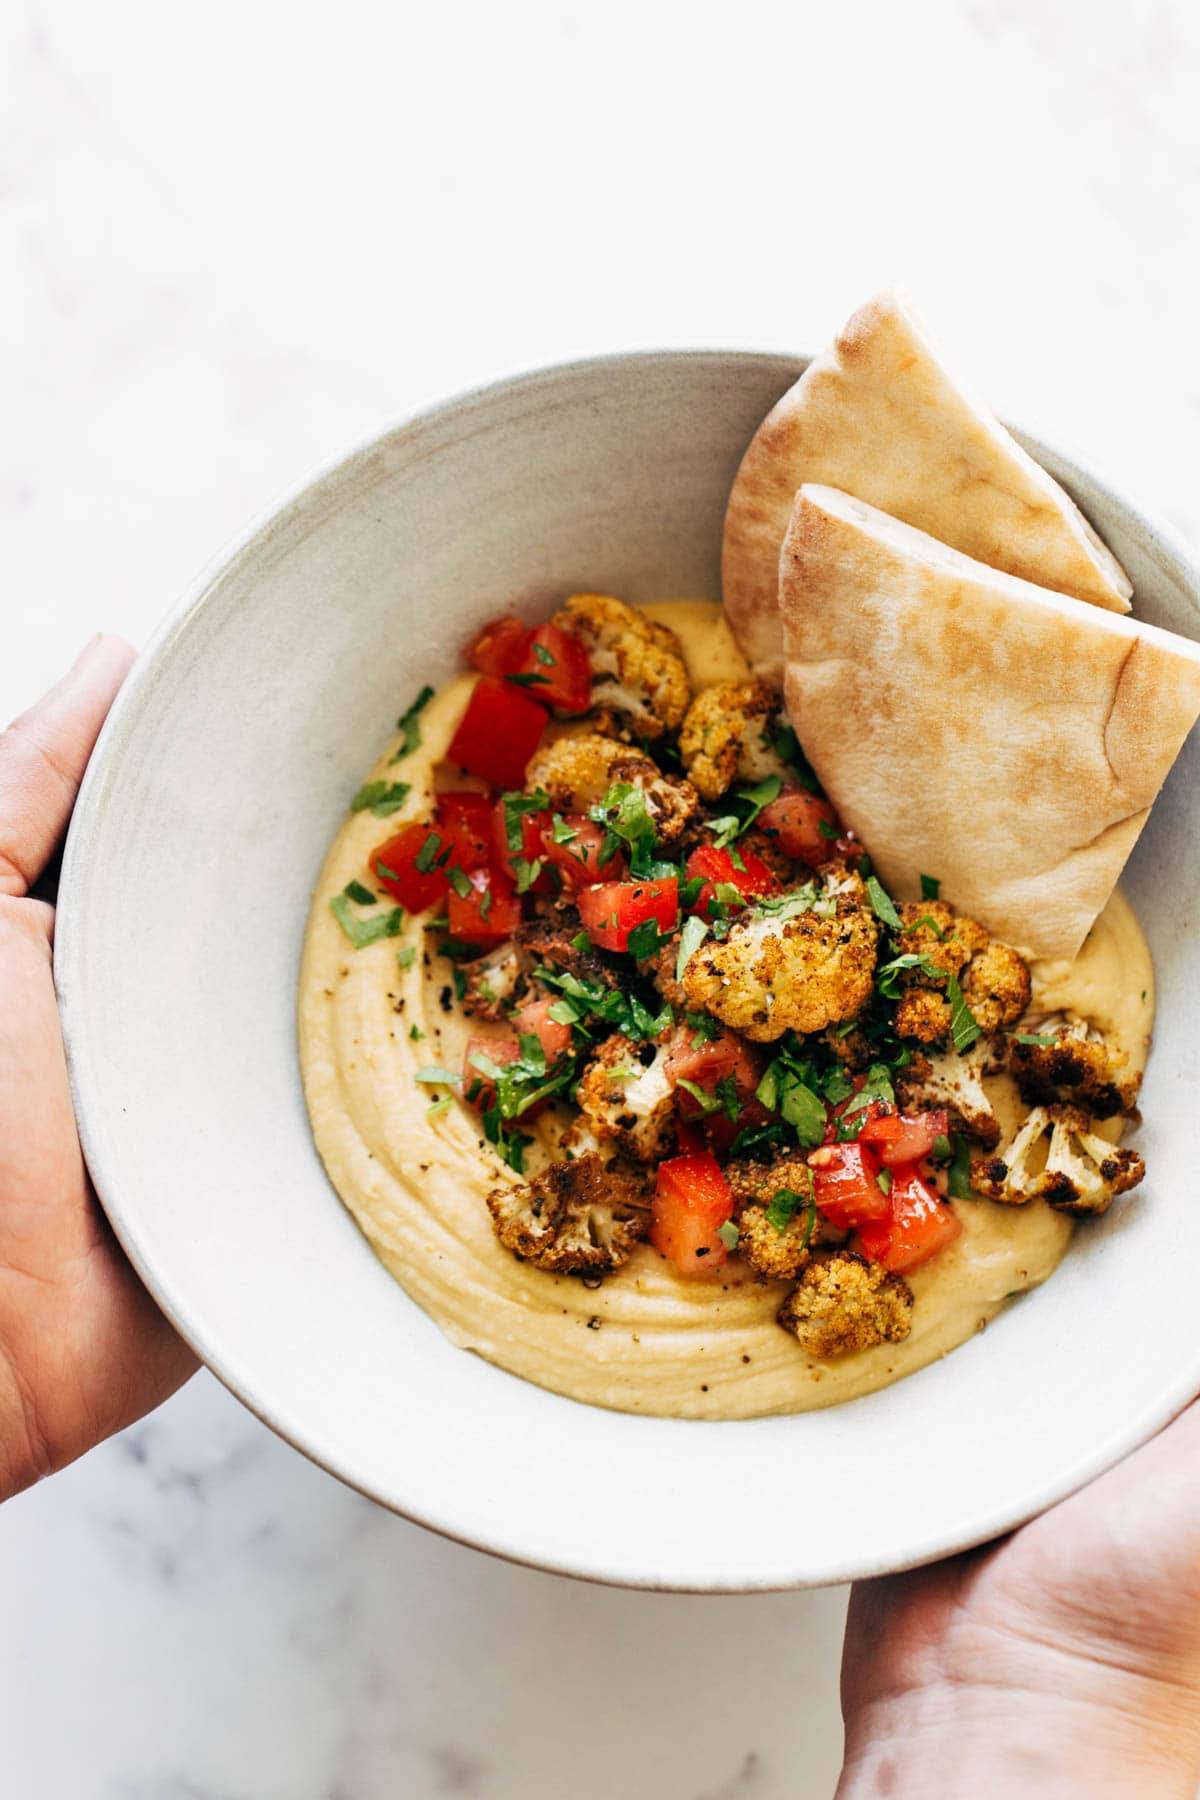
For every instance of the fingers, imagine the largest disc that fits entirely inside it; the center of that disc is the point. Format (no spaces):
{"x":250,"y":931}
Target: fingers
{"x":43,"y":755}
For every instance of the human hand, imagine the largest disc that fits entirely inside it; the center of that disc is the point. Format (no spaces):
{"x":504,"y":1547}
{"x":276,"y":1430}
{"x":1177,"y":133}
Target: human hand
{"x":83,"y":1349}
{"x":1062,"y":1661}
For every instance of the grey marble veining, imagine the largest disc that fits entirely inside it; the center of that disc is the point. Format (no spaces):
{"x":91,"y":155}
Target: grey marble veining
{"x":235,"y":239}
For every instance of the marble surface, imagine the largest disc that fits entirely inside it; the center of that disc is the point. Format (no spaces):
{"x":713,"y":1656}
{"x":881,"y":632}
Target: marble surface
{"x":234,"y":240}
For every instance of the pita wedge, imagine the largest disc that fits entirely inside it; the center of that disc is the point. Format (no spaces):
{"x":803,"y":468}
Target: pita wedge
{"x":971,"y":726}
{"x":879,"y":416}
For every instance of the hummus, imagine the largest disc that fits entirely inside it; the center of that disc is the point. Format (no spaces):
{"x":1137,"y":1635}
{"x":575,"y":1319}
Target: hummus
{"x":646,"y":1340}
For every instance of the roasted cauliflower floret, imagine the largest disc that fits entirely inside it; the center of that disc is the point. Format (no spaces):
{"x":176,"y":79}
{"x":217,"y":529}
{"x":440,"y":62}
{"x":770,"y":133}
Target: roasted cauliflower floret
{"x":491,"y":981}
{"x":994,"y":979}
{"x":579,"y":1217}
{"x":775,"y":1236}
{"x":842,"y":1303}
{"x":1081,"y":1172}
{"x":956,"y":1083}
{"x":576,"y":772}
{"x":638,"y":671}
{"x":1076,"y":1068}
{"x":789,"y":969}
{"x":726,"y":735}
{"x":626,"y":1101}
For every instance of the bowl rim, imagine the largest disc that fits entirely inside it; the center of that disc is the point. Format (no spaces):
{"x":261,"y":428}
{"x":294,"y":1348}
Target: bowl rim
{"x":1162,"y":540}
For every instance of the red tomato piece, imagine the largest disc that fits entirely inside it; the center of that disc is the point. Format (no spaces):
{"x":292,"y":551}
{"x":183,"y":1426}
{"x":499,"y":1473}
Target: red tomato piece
{"x":464,"y":822}
{"x":560,"y":662}
{"x":532,"y":825}
{"x":499,"y":647}
{"x":534,"y":1017}
{"x":794,"y":820}
{"x":578,"y":860}
{"x":707,"y":1063}
{"x":904,"y":1137}
{"x":692,"y":1199}
{"x":612,"y":909}
{"x":394,"y":865}
{"x":489,"y":913}
{"x":498,"y":733}
{"x":477,"y":1090}
{"x":718,"y":868}
{"x":845,"y":1186}
{"x":689,"y":1137}
{"x":721,"y":1129}
{"x":917,"y":1225}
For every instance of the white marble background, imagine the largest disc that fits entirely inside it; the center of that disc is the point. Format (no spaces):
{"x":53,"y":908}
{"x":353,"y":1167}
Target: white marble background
{"x":235,"y":238}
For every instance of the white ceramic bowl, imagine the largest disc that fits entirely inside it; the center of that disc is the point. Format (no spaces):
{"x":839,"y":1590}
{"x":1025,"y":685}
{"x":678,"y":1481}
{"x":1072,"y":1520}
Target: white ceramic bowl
{"x":218,"y":783}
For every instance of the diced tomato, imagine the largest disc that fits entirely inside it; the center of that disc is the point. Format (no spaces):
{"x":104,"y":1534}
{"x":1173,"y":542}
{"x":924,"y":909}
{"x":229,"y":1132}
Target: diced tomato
{"x":532,"y":824}
{"x":489,"y":913}
{"x":477,"y":1090}
{"x":560,"y":661}
{"x":916,"y":1226}
{"x":551,"y":664}
{"x":498,"y":733}
{"x":534,"y":1017}
{"x":707,"y":1063}
{"x":794,"y":820}
{"x":691,"y":1200}
{"x":718,"y":868}
{"x":499,"y":647}
{"x":845,"y":1185}
{"x":689,"y":1137}
{"x":464,"y":821}
{"x":578,"y":860}
{"x":395,"y":868}
{"x":612,"y":909}
{"x":904,"y":1137}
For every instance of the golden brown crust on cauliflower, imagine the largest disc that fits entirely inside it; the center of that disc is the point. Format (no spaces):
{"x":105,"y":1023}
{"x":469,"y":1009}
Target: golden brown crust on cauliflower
{"x":1082,"y":1172}
{"x":1077,"y":1068}
{"x":724,"y":735}
{"x":774,"y":973}
{"x":638,"y":669}
{"x":994,"y":979}
{"x":955,"y":1082}
{"x":842,"y":1303}
{"x":775,"y":1253}
{"x":577,"y":770}
{"x":626,"y":1101}
{"x":491,"y":981}
{"x":580,"y":1217}
{"x":551,"y":941}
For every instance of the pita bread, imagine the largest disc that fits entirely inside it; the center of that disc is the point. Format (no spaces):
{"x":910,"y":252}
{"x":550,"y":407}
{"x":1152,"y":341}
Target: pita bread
{"x":878,"y":416}
{"x":974,"y":727}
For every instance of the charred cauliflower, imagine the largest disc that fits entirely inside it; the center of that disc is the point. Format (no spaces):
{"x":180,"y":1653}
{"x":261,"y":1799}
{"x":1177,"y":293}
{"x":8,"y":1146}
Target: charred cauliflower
{"x":842,"y":1303}
{"x":726,"y":735}
{"x":628,"y":1102}
{"x":638,"y":671}
{"x":994,"y":979}
{"x":1082,"y":1172}
{"x":491,"y":981}
{"x":804,"y":962}
{"x":576,"y":772}
{"x":778,"y":1226}
{"x":581,"y":1217}
{"x":956,"y":1083}
{"x":1075,"y":1068}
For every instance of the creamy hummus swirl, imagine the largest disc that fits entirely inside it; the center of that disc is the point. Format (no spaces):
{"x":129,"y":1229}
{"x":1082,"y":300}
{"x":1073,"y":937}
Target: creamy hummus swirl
{"x":646,"y":1340}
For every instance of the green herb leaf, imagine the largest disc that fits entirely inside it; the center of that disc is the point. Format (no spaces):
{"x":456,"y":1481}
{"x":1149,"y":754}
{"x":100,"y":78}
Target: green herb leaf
{"x":783,"y":1208}
{"x":690,"y":939}
{"x":427,"y":854}
{"x":362,"y":896}
{"x":884,"y":1178}
{"x":561,"y":832}
{"x":545,"y":657}
{"x":881,"y":902}
{"x":436,"y":1108}
{"x":733,"y":825}
{"x":964,"y":1026}
{"x":383,"y":797}
{"x":708,"y":1103}
{"x":432,"y":1076}
{"x":581,"y":942}
{"x":526,"y":872}
{"x":802,"y":1109}
{"x":729,"y":1234}
{"x":459,"y":881}
{"x":931,"y":887}
{"x":363,"y":932}
{"x":407,"y":724}
{"x":958,"y":1175}
{"x":646,"y":940}
{"x":514,"y":806}
{"x":1042,"y":1038}
{"x":407,"y":957}
{"x":526,"y":681}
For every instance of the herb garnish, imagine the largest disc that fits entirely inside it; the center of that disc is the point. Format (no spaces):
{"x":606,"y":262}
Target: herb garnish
{"x":931,"y":887}
{"x":427,"y":854}
{"x":733,"y":825}
{"x":545,"y":657}
{"x":882,"y":904}
{"x":690,"y":939}
{"x":382,"y":797}
{"x":516,"y":804}
{"x":407,"y":724}
{"x":362,"y":896}
{"x":964,"y":1026}
{"x":729,"y":1234}
{"x":360,"y":931}
{"x":1042,"y":1038}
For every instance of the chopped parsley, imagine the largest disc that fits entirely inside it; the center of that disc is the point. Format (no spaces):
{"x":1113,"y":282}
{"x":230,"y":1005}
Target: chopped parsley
{"x":1042,"y":1038}
{"x":964,"y":1026}
{"x":626,"y":820}
{"x":362,"y":896}
{"x":958,"y":1174}
{"x":432,"y":1076}
{"x":708,"y":1103}
{"x":436,"y":1108}
{"x":646,"y":940}
{"x":786,"y":745}
{"x":360,"y":931}
{"x":882,"y":903}
{"x":931,"y":887}
{"x":427,"y":855}
{"x":733,"y":825}
{"x":531,"y":680}
{"x":545,"y":657}
{"x":595,"y":999}
{"x":382,"y":797}
{"x":729,"y":1234}
{"x":884,"y":1178}
{"x":783,"y":1207}
{"x":690,"y":939}
{"x":458,"y":879}
{"x":515,"y":805}
{"x":526,"y":872}
{"x":407,"y":957}
{"x":407,"y":725}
